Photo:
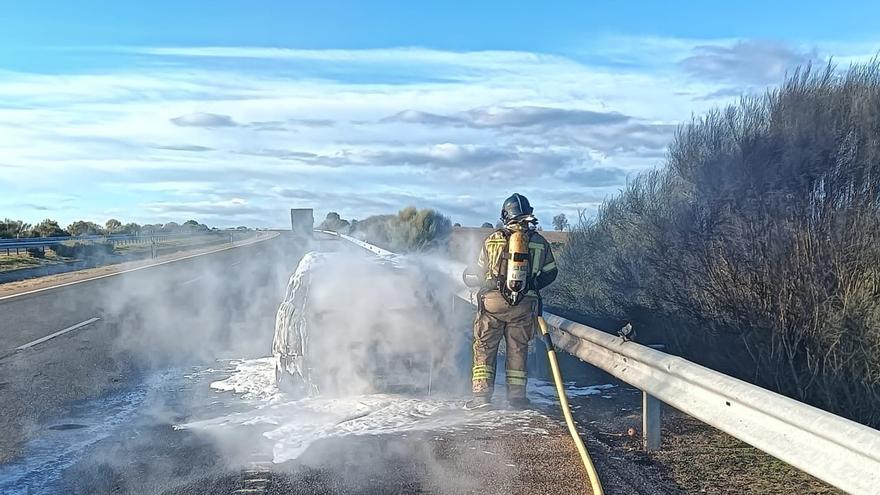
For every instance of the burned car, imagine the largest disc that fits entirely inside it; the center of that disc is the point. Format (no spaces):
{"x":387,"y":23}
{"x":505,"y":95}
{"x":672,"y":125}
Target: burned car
{"x":353,"y":323}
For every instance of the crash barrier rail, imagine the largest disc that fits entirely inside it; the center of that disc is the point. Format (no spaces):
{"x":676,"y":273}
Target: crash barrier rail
{"x":840,"y":452}
{"x":116,"y":239}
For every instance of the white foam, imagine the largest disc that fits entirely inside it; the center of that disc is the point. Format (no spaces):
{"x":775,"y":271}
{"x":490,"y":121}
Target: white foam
{"x":543,"y":392}
{"x":293,"y":425}
{"x":250,"y":378}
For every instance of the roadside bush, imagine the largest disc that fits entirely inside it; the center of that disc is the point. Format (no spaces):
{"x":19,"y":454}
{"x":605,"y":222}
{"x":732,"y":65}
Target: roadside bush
{"x":755,"y":250}
{"x":334,"y":223}
{"x":410,"y":230}
{"x":83,"y":250}
{"x":36,"y":253}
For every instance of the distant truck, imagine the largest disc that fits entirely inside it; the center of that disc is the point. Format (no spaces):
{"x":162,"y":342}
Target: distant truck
{"x":302,"y":222}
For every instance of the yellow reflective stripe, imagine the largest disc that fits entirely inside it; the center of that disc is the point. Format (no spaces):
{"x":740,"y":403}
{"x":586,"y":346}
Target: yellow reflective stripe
{"x":549,"y":266}
{"x":516,"y":381}
{"x":537,"y":250}
{"x":483,"y":368}
{"x":481,"y":376}
{"x":516,"y":374}
{"x":493,"y":253}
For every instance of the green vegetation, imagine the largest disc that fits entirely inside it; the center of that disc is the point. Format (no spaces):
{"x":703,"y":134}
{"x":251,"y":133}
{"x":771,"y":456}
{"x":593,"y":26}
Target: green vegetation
{"x":82,"y":250}
{"x":755,"y":250}
{"x":410,"y":230}
{"x":82,"y":227}
{"x":14,"y":262}
{"x":49,"y":228}
{"x":85,"y":249}
{"x":334,"y":223}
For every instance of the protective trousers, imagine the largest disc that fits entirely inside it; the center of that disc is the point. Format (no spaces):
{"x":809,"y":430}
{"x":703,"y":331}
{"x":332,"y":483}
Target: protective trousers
{"x":517,"y":323}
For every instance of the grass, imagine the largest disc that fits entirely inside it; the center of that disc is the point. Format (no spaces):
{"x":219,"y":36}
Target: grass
{"x":18,"y":261}
{"x":15,"y":261}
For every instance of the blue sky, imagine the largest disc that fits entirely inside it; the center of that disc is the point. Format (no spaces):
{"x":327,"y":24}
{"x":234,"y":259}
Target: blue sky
{"x":230,"y":113}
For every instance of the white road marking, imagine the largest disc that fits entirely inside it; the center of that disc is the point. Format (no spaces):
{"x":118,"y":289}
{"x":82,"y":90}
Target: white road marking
{"x":236,"y":263}
{"x":191,"y":280}
{"x":59,"y":332}
{"x":67,"y":284}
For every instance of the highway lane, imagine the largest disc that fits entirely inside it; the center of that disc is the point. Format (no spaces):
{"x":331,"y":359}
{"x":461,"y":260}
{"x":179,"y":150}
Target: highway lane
{"x":32,"y":316}
{"x":187,"y":312}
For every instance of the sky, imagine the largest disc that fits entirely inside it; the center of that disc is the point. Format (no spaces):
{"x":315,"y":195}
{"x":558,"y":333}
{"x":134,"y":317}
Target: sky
{"x":231,"y":113}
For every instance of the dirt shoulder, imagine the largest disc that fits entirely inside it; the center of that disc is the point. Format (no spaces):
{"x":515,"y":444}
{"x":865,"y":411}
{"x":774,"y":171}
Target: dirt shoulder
{"x":18,"y":287}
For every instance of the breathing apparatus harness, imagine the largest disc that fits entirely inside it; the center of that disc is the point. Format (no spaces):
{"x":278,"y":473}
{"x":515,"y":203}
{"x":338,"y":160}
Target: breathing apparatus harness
{"x":516,"y":280}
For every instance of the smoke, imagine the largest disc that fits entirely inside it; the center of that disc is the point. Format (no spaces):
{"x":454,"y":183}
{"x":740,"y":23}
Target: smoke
{"x":352,"y":324}
{"x":382,"y":350}
{"x":196,"y":311}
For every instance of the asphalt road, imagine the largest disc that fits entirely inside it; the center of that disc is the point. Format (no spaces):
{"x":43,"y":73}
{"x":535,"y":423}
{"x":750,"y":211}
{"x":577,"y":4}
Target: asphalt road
{"x":186,"y":312}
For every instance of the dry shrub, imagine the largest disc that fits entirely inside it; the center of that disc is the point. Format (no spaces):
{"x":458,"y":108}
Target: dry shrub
{"x":755,"y":250}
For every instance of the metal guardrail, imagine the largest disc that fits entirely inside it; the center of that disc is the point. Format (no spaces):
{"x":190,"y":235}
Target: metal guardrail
{"x":840,"y":452}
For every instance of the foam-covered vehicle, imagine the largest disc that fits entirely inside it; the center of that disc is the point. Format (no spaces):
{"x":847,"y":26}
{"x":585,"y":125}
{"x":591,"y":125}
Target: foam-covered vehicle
{"x":352,"y":323}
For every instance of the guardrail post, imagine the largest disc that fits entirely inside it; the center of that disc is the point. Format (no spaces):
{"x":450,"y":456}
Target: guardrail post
{"x":652,"y":410}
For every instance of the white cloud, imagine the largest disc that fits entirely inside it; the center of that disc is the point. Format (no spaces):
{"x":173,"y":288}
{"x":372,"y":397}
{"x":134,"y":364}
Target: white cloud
{"x":750,"y":61}
{"x":203,"y":131}
{"x":203,"y":119}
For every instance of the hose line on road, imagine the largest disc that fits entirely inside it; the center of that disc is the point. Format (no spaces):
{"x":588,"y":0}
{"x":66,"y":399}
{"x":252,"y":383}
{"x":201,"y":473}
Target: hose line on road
{"x":595,"y":483}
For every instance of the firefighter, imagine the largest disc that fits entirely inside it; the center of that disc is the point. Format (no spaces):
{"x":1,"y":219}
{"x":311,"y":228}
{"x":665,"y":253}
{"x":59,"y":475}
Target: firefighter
{"x":515,"y":264}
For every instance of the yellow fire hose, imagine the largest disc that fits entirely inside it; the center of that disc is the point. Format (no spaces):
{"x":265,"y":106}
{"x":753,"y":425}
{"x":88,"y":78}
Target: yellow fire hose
{"x":566,"y":411}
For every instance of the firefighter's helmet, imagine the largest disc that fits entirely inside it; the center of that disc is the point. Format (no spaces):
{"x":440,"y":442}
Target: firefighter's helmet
{"x":515,"y":207}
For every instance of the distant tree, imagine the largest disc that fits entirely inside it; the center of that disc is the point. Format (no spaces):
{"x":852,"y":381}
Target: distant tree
{"x":113,"y":226}
{"x":14,"y":228}
{"x":560,"y":222}
{"x":130,"y":228}
{"x":486,"y":225}
{"x":193,"y":226}
{"x":49,"y":228}
{"x":241,"y":227}
{"x":335,"y":223}
{"x":84,"y":227}
{"x":171,"y":227}
{"x":410,"y":230}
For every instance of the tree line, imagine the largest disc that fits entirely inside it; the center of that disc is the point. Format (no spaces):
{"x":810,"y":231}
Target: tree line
{"x":755,"y":249}
{"x":50,"y":228}
{"x":411,"y":229}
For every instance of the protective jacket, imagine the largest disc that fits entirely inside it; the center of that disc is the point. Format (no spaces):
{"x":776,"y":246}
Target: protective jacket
{"x":497,"y":318}
{"x":492,"y":264}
